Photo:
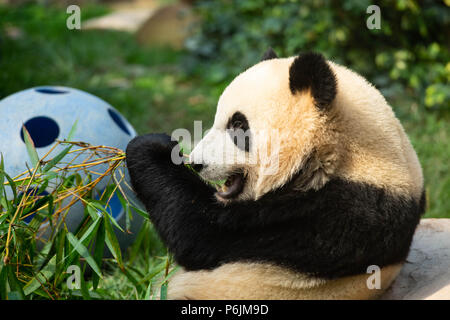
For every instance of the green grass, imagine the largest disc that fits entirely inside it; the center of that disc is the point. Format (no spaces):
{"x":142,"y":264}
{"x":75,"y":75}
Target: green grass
{"x":151,"y":87}
{"x":147,"y":85}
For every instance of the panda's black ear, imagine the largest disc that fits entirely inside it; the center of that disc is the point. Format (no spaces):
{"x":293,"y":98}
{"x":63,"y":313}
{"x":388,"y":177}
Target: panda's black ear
{"x":310,"y":71}
{"x":269,"y":54}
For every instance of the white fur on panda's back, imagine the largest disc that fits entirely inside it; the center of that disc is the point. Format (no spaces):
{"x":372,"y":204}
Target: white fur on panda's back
{"x":375,"y":146}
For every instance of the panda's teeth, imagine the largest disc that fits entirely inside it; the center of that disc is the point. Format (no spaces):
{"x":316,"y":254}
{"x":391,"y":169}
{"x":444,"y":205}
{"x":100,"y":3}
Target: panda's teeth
{"x":221,"y":188}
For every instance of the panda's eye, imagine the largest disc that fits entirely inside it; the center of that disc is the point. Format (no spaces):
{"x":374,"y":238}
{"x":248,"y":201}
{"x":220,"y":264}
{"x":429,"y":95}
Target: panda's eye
{"x":239,"y":131}
{"x":237,"y":124}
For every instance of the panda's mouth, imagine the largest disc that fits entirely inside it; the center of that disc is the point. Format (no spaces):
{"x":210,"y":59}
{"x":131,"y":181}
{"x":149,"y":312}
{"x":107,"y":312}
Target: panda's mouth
{"x":232,"y":187}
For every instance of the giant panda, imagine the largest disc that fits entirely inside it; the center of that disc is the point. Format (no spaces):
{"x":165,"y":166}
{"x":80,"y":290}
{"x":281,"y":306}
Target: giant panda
{"x":346,"y":194}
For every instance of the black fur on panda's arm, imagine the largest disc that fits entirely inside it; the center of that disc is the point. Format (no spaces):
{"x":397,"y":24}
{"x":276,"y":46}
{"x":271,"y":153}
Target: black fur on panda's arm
{"x":189,"y":219}
{"x":338,"y":230}
{"x":153,"y":174}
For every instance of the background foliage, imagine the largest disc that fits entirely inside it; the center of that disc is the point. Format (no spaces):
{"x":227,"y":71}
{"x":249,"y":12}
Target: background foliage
{"x":408,"y":54}
{"x":161,"y":89}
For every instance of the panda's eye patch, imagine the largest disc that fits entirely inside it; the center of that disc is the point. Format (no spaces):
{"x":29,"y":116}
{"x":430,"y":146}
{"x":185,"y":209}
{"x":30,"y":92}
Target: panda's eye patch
{"x":238,"y":121}
{"x":238,"y":130}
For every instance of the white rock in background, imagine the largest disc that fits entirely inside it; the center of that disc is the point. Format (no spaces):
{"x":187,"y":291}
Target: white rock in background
{"x":426,"y":273}
{"x":125,"y":16}
{"x":152,"y":22}
{"x":126,"y":20}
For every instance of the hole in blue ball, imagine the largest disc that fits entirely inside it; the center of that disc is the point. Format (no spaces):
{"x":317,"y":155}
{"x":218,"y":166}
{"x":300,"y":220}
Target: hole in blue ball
{"x":49,"y":90}
{"x":43,"y":131}
{"x":117,"y":118}
{"x":32,"y":192}
{"x":114,"y":207}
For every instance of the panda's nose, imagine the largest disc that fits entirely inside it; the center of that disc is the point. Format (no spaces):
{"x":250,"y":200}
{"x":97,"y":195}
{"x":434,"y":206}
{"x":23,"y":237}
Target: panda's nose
{"x":197,"y":166}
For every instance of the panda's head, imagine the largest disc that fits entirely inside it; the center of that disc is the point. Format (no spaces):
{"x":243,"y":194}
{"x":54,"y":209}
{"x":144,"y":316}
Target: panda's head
{"x":302,"y":120}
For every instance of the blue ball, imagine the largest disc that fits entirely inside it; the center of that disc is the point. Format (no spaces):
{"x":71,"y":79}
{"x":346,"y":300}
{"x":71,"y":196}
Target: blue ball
{"x":49,"y":114}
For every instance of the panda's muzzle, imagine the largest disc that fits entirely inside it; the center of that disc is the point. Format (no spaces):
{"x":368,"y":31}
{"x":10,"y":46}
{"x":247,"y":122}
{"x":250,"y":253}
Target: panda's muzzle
{"x":232,"y":187}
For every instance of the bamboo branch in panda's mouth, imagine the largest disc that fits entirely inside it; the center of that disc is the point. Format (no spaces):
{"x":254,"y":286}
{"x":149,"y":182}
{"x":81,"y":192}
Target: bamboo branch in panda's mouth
{"x":226,"y":188}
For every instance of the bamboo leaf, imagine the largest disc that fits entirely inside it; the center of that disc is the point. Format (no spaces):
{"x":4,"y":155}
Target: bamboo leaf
{"x":2,"y":177}
{"x":72,"y":130}
{"x":136,"y":247}
{"x":140,"y":212}
{"x":126,"y":208}
{"x":148,"y":292}
{"x":16,"y":292}
{"x":37,"y":205}
{"x":154,"y":272}
{"x":84,"y":252}
{"x":32,"y":153}
{"x":56,"y":159}
{"x":49,"y":256}
{"x":163,"y":295}
{"x":40,"y":277}
{"x":112,"y":243}
{"x":84,"y":288}
{"x":3,"y":281}
{"x":92,"y":211}
{"x":132,"y":278}
{"x":14,"y":295}
{"x":89,"y":232}
{"x":102,"y":209}
{"x":60,"y":239}
{"x":12,"y":186}
{"x":170,"y":274}
{"x":99,"y":250}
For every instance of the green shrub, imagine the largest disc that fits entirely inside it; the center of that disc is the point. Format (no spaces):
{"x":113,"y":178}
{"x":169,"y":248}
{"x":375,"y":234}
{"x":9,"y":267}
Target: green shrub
{"x":408,"y":54}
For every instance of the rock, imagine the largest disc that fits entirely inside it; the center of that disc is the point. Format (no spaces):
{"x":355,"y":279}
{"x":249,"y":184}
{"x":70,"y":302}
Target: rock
{"x":124,"y":20}
{"x":125,"y":16}
{"x":426,"y":272}
{"x":167,"y":26}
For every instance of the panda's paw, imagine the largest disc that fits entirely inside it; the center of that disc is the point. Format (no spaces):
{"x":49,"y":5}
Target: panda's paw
{"x":154,"y":146}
